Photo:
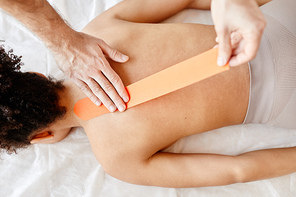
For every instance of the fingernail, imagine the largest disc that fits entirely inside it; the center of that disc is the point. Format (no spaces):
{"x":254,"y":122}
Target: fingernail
{"x":112,"y":108}
{"x":98,"y":103}
{"x":125,"y":99}
{"x":121,"y":108}
{"x":124,"y":57}
{"x":221,"y":61}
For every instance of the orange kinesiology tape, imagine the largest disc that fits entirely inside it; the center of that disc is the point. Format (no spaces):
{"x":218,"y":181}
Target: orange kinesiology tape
{"x":168,"y":80}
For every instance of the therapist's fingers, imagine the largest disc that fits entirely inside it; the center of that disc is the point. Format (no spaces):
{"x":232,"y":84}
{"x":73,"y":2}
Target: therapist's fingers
{"x":106,"y":90}
{"x":217,"y":39}
{"x":86,"y":90}
{"x":113,"y":54}
{"x":225,"y":48}
{"x":235,"y":39}
{"x":243,"y":54}
{"x":247,"y":49}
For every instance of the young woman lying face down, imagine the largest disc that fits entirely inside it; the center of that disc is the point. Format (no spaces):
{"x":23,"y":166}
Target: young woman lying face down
{"x":128,"y":144}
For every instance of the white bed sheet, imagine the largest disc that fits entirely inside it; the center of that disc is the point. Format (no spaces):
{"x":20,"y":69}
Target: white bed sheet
{"x":68,"y":168}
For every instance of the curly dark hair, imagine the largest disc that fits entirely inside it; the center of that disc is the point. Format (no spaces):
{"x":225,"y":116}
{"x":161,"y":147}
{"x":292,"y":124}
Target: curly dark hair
{"x":28,"y":103}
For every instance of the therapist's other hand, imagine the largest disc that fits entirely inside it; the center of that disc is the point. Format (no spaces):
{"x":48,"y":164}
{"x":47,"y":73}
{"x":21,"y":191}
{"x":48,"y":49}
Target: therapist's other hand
{"x":82,"y":59}
{"x":239,"y":25}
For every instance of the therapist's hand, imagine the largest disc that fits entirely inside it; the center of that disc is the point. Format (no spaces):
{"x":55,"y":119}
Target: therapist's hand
{"x":239,"y":25}
{"x":82,"y":58}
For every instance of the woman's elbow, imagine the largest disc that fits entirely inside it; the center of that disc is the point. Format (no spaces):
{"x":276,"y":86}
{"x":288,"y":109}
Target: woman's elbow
{"x":127,"y":171}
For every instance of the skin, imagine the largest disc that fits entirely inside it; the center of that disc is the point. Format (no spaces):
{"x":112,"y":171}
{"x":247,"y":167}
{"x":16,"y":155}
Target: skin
{"x":127,"y":144}
{"x":80,"y":56}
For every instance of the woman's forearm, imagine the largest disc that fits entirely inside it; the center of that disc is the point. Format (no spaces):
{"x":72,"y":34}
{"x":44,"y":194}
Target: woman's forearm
{"x":269,"y":163}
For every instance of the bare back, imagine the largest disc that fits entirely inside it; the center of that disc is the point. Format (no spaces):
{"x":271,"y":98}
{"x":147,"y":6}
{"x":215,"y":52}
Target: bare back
{"x":141,"y":131}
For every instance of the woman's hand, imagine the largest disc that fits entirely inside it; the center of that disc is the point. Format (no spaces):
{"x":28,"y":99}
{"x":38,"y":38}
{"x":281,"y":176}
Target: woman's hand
{"x":239,"y":25}
{"x":82,"y":59}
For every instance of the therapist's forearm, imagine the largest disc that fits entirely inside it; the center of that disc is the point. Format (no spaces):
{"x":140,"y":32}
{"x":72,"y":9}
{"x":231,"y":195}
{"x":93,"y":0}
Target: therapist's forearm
{"x":41,"y":18}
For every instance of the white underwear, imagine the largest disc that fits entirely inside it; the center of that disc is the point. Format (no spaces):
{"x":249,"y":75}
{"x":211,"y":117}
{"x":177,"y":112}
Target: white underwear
{"x":273,"y":71}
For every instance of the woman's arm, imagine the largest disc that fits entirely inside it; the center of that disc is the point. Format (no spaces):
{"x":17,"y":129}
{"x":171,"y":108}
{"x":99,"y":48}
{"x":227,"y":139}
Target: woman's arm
{"x":152,"y":11}
{"x":200,"y":170}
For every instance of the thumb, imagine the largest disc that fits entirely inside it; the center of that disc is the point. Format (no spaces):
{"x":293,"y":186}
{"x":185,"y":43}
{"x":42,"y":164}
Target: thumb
{"x":224,"y":48}
{"x":113,"y":53}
